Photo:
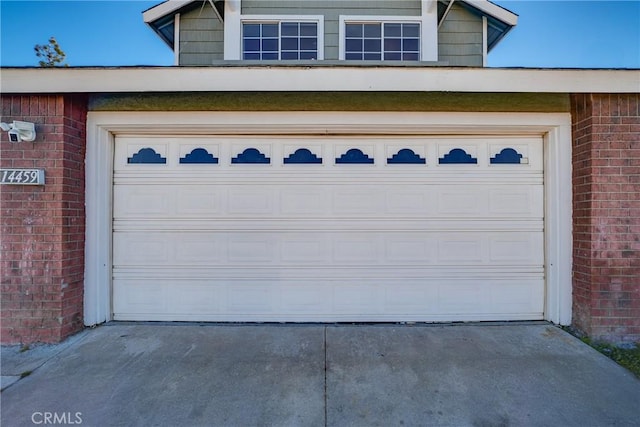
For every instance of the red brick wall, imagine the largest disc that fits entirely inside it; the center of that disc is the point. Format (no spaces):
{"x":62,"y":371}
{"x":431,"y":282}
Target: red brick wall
{"x":42,"y":228}
{"x":606,"y":217}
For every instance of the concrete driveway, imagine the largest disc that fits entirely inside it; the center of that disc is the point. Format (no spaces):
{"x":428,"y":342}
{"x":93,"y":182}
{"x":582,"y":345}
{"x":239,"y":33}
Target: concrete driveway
{"x":316,"y":375}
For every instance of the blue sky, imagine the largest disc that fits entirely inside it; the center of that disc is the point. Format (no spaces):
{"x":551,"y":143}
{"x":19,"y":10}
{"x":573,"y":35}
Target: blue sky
{"x":554,"y":33}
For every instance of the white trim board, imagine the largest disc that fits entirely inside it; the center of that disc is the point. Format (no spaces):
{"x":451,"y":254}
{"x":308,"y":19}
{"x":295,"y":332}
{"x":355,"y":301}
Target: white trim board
{"x":176,"y":40}
{"x":316,"y":78}
{"x":102,"y":126}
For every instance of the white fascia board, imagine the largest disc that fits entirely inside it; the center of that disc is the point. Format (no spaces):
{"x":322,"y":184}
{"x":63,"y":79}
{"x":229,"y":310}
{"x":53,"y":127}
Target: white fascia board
{"x":318,"y":78}
{"x":495,"y":11}
{"x":163,"y":9}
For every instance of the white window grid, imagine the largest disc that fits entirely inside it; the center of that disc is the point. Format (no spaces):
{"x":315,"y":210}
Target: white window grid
{"x":292,"y":40}
{"x":405,"y":48}
{"x":399,"y":41}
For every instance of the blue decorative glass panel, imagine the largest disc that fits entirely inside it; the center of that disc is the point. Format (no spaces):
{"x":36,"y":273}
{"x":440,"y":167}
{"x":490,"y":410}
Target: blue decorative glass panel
{"x":395,"y":56}
{"x":410,"y":57}
{"x":199,"y":155}
{"x":289,"y":55}
{"x":270,"y":56}
{"x":354,"y":155}
{"x":353,"y":30}
{"x":457,"y":155}
{"x":147,"y":155}
{"x":250,"y":155}
{"x":508,"y":156}
{"x":251,"y":56}
{"x":406,"y":156}
{"x":353,"y":55}
{"x":308,"y":55}
{"x":302,"y":155}
{"x":372,"y":56}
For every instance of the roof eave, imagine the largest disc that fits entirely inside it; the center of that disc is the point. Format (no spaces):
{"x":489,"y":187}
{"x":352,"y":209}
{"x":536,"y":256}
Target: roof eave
{"x":500,"y":13}
{"x":163,"y":9}
{"x":314,"y":79}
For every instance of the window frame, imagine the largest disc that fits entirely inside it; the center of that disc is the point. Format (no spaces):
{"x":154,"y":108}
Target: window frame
{"x":279,"y":19}
{"x":424,"y":48}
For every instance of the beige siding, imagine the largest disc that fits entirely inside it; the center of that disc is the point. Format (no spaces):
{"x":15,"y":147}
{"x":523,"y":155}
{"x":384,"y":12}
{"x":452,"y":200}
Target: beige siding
{"x":332,"y":9}
{"x":201,"y":37}
{"x":460,"y":38}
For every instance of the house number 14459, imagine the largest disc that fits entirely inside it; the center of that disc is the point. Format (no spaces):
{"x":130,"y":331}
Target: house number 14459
{"x":22,"y":176}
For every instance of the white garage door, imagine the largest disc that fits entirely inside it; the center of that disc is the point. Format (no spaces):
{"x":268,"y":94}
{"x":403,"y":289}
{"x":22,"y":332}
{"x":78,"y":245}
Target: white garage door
{"x":303,"y":228}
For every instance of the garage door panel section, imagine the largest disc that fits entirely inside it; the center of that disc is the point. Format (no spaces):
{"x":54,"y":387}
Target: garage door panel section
{"x":331,"y":300}
{"x":303,"y":228}
{"x":368,"y":249}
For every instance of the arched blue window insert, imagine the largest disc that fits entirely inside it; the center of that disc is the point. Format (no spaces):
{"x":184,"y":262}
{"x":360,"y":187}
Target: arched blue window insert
{"x":406,"y":156}
{"x":250,"y":155}
{"x":508,"y":156}
{"x":147,"y":155}
{"x":354,"y":155}
{"x":457,"y":156}
{"x":199,"y":156}
{"x":302,"y":155}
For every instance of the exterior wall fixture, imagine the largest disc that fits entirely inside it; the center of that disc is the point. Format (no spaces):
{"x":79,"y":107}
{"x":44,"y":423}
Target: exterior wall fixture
{"x":20,"y":131}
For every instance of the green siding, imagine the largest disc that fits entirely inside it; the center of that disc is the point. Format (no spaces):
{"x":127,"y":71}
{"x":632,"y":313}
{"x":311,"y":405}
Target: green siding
{"x":331,"y":10}
{"x":332,"y":101}
{"x":460,"y":38}
{"x":202,"y":33}
{"x":201,"y":37}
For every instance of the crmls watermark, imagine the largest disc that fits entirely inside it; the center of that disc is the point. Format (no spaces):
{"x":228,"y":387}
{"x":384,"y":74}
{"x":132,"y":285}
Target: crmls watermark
{"x":56,"y":418}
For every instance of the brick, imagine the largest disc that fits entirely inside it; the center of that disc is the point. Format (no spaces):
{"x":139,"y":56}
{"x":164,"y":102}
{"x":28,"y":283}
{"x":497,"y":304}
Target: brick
{"x":39,"y":248}
{"x":605,"y":200}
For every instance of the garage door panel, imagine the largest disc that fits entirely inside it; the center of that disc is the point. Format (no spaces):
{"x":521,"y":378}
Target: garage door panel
{"x":516,"y":201}
{"x":325,"y":248}
{"x":142,"y":201}
{"x":166,"y":201}
{"x":193,"y":202}
{"x":346,"y":300}
{"x":301,"y":248}
{"x":265,"y":201}
{"x":256,"y":200}
{"x":304,"y":201}
{"x":280,"y":241}
{"x":516,"y":248}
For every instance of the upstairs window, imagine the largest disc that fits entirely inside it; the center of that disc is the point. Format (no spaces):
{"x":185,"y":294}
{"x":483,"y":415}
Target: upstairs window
{"x":382,"y":41}
{"x":280,"y":40}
